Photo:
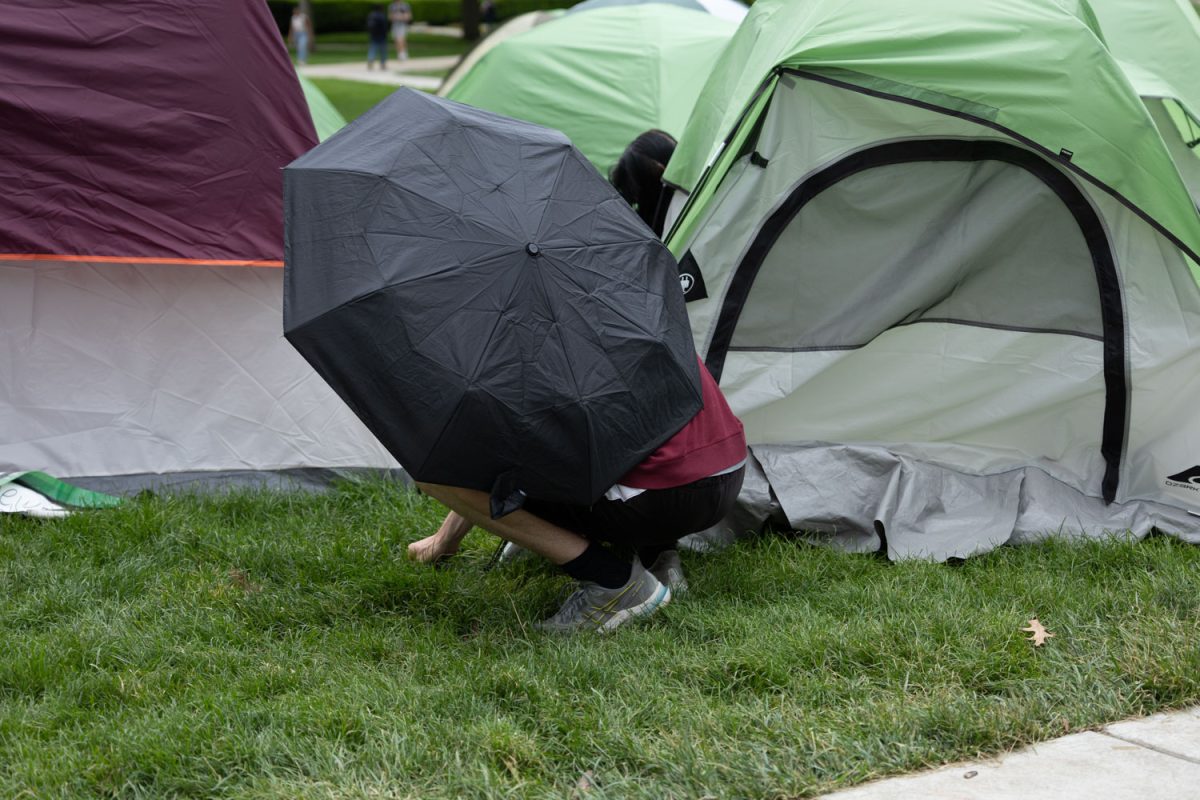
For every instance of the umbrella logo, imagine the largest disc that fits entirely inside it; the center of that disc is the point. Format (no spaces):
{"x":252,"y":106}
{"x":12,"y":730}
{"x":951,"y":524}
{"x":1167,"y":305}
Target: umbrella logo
{"x":691,"y":279}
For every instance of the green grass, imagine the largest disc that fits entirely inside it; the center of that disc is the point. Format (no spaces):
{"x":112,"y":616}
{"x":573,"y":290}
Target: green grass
{"x":263,"y":645}
{"x":352,"y":98}
{"x":336,"y":48}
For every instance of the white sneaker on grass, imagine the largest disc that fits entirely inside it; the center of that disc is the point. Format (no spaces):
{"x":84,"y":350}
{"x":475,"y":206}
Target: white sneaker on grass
{"x":669,"y":571}
{"x":592,"y":607}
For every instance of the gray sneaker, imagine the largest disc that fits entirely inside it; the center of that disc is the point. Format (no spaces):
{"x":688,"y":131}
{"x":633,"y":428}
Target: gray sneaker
{"x":595,"y":608}
{"x":669,"y":571}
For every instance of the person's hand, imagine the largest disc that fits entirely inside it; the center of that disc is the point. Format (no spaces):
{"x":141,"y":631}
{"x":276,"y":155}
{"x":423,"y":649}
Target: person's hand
{"x":442,"y":544}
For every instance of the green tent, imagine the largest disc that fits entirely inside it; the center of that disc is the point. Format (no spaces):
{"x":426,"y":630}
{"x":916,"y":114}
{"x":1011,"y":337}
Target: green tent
{"x":517,"y":25}
{"x":326,"y":119}
{"x":1157,"y":43}
{"x":601,"y":77}
{"x":945,"y":271}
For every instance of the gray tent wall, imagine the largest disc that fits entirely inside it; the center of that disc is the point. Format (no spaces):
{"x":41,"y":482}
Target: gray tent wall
{"x":130,"y":376}
{"x":1013,"y":403}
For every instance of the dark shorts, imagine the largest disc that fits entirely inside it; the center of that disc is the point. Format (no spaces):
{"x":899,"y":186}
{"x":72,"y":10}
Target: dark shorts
{"x":654,"y":517}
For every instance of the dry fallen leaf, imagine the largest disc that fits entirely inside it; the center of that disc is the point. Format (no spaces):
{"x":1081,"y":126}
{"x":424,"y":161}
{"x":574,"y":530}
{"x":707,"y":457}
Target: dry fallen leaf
{"x":1040,"y":634}
{"x":586,"y":782}
{"x":242,"y":581}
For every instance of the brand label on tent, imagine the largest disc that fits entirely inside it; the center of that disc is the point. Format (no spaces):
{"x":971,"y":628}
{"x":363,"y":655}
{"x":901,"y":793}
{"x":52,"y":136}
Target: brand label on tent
{"x":690,"y":279}
{"x":1188,"y":479}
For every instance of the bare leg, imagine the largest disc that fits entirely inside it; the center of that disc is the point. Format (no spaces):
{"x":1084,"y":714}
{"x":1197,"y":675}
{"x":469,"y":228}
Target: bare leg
{"x":472,"y":507}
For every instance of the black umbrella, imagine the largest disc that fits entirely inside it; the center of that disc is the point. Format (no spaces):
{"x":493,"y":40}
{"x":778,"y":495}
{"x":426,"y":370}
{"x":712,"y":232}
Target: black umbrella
{"x":485,"y":302}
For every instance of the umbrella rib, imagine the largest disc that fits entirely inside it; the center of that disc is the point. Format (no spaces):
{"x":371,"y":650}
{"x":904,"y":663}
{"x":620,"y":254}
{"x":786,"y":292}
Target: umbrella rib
{"x":592,"y":270}
{"x":406,"y":190}
{"x":442,"y":433}
{"x":415,"y":143}
{"x":499,"y":317}
{"x":457,"y":406}
{"x":457,"y":213}
{"x":562,"y":165}
{"x":570,"y":367}
{"x":450,"y":317}
{"x":482,"y":159}
{"x":425,"y":236}
{"x":620,"y":243}
{"x":605,"y":301}
{"x":607,"y":357}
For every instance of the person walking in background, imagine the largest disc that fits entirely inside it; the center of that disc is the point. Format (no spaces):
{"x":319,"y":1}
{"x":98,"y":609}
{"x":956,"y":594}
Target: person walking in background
{"x":300,"y":34}
{"x":488,"y":16}
{"x":400,"y":14}
{"x":377,"y":37}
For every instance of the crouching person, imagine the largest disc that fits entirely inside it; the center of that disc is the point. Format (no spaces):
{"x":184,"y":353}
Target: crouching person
{"x":686,"y":485}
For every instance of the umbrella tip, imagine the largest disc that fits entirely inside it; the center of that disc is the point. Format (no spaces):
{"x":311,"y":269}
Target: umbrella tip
{"x":532,"y":249}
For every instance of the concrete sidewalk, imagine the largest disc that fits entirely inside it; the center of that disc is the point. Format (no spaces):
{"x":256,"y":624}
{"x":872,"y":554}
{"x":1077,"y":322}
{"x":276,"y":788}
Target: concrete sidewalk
{"x":398,"y":73}
{"x":1156,"y":758}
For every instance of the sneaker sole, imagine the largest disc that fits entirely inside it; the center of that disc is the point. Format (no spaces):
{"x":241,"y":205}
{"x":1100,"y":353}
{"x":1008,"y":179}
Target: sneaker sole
{"x":649,"y":605}
{"x":678,"y":586}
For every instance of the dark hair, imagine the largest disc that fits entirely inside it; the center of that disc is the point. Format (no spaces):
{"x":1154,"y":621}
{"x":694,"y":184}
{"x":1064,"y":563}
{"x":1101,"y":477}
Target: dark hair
{"x":637,"y":175}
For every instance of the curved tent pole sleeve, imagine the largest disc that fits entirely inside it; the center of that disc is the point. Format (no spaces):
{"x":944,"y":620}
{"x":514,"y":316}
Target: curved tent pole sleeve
{"x":1116,"y":384}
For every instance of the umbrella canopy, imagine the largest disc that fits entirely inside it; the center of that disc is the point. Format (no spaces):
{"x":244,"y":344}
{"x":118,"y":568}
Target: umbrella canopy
{"x":485,"y":302}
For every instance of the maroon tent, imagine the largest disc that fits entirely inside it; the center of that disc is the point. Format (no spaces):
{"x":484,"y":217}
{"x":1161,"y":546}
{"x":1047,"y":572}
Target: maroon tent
{"x":141,"y":238}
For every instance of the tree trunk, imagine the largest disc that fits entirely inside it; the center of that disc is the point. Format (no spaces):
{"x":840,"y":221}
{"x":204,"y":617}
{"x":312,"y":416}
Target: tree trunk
{"x":470,"y":20}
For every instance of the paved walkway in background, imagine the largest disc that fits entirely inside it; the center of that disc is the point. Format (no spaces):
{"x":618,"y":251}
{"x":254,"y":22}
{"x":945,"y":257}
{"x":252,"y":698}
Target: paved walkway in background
{"x":398,"y":73}
{"x":1156,"y":758}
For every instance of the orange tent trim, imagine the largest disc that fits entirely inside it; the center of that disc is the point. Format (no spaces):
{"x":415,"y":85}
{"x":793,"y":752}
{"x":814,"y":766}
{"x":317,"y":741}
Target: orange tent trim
{"x":136,"y":260}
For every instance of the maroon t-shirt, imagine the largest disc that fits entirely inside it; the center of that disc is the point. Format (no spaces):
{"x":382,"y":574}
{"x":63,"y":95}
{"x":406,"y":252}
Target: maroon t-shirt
{"x":711,"y":442}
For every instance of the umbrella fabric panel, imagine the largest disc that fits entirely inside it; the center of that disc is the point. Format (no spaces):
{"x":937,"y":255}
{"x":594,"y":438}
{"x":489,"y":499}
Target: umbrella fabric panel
{"x":347,"y":204}
{"x":485,"y":302}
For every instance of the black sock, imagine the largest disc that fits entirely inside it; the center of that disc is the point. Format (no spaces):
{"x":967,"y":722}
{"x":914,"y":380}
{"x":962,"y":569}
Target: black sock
{"x":650,"y":554}
{"x":599,"y":566}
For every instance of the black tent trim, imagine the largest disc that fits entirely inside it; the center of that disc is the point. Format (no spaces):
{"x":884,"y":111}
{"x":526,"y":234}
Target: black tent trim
{"x":922,"y":321}
{"x":1108,"y":283}
{"x":1059,"y":158}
